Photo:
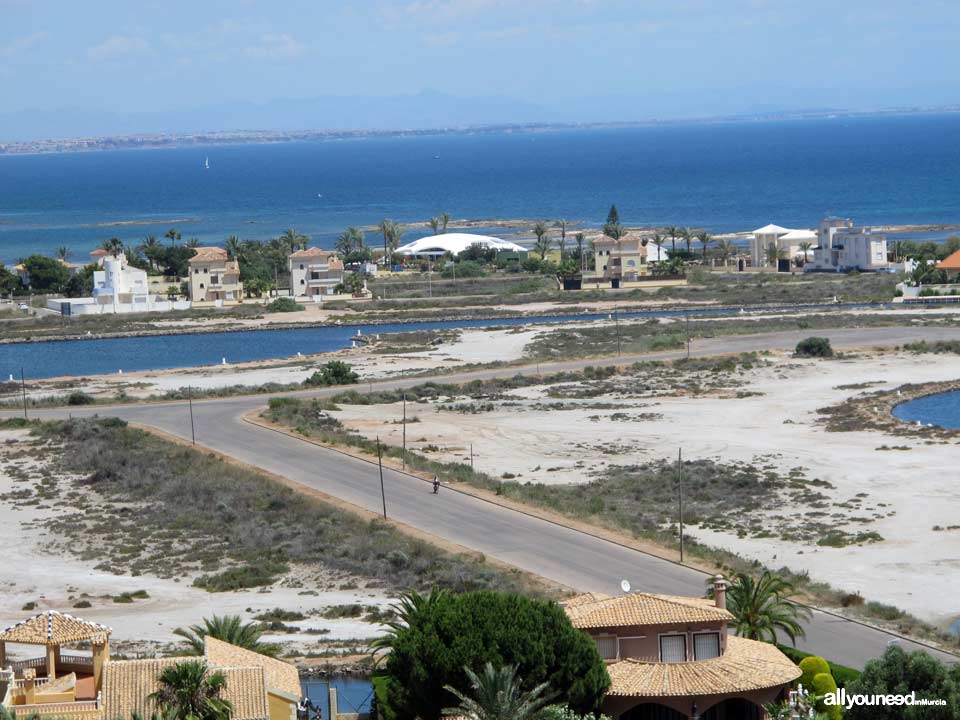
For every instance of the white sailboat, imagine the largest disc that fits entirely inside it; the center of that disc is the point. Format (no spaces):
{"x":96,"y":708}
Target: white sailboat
{"x":206,"y":163}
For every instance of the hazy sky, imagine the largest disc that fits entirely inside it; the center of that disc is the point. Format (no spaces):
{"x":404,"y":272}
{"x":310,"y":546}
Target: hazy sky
{"x":558,"y":59}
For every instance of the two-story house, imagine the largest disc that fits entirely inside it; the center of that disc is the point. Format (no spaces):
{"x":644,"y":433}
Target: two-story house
{"x":314,"y":272}
{"x":622,"y":260}
{"x":214,"y":278}
{"x":671,"y":658}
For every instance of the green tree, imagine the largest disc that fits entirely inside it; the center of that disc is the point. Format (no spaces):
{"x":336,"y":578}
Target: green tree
{"x":705,"y":239}
{"x":81,"y":283}
{"x":335,"y":372}
{"x":562,"y":244}
{"x":436,"y":637}
{"x":687,"y":235}
{"x":9,"y":281}
{"x":814,"y":347}
{"x":46,"y":274}
{"x":63,"y":253}
{"x":152,"y":250}
{"x":897,"y":672}
{"x":761,"y":608}
{"x":544,"y":242}
{"x":811,"y":666}
{"x":386,"y":229}
{"x":804,"y":247}
{"x":726,"y":248}
{"x":444,"y":219}
{"x":580,"y":239}
{"x":613,"y":217}
{"x":434,"y":224}
{"x":674,"y":232}
{"x":498,"y":695}
{"x":234,"y":248}
{"x":173,"y":235}
{"x":294,"y":240}
{"x":114,"y":246}
{"x":774,"y":253}
{"x":228,"y":628}
{"x":189,"y":691}
{"x":350,"y":241}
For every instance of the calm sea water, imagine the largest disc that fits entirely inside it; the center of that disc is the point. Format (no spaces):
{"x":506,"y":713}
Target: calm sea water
{"x":942,"y":409}
{"x":721,"y":177}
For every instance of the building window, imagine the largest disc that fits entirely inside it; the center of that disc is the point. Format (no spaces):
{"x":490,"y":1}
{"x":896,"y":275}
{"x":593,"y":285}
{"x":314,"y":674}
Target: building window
{"x":301,"y":281}
{"x":706,"y":646}
{"x":673,"y":648}
{"x":607,"y":647}
{"x":201,"y":286}
{"x":301,"y":266}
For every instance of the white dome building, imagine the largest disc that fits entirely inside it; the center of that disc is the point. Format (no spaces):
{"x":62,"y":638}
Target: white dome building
{"x":455,"y":243}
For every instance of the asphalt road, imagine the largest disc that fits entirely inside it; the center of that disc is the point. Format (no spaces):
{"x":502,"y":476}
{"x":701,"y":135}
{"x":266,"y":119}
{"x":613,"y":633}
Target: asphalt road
{"x":567,"y":556}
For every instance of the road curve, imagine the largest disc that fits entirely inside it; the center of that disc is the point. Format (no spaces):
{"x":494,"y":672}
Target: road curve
{"x":556,"y":552}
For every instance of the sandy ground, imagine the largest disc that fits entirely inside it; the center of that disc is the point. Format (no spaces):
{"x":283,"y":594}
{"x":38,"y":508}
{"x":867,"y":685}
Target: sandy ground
{"x":913,"y":568}
{"x":30,"y":572}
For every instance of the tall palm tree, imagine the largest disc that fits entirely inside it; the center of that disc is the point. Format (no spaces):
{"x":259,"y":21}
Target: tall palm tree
{"x":562,"y":224}
{"x":543,"y":243}
{"x":230,"y":629}
{"x":444,"y":218}
{"x":674,"y":232}
{"x":761,"y":609}
{"x":385,"y":227}
{"x":234,"y":247}
{"x":579,"y":239}
{"x":687,"y":236}
{"x":350,"y":240}
{"x":193,"y":243}
{"x":189,"y":691}
{"x":294,"y":240}
{"x":658,"y":240}
{"x":173,"y":235}
{"x":396,"y":232}
{"x":774,"y":253}
{"x":726,"y":249}
{"x":804,"y":247}
{"x":434,"y":224}
{"x":705,"y":239}
{"x":498,"y":695}
{"x":63,"y":252}
{"x":114,"y":246}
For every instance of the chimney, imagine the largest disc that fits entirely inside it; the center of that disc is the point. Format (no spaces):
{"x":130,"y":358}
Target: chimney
{"x":720,"y":592}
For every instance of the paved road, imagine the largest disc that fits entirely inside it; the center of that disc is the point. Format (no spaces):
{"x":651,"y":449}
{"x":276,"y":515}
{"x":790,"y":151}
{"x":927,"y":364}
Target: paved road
{"x":561,"y":554}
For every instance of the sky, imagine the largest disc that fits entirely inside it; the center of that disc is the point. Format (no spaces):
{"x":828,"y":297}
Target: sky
{"x":72,"y":68}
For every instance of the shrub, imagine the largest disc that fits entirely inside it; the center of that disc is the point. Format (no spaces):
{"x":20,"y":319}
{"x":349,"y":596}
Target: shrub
{"x":812,"y":666}
{"x":335,"y":372}
{"x":824,"y":684}
{"x":29,"y":606}
{"x":445,"y":632}
{"x":463,"y":269}
{"x":263,"y":572}
{"x":814,"y":347}
{"x":81,"y":604}
{"x":284,"y":304}
{"x":79,"y":398}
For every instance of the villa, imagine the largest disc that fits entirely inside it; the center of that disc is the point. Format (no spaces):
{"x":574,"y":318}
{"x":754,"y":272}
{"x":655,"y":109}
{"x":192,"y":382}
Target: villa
{"x":670,"y":658}
{"x":842,"y":247}
{"x":70,"y":683}
{"x":314,"y":273}
{"x":790,"y":244}
{"x":624,"y":260}
{"x":214,"y":279}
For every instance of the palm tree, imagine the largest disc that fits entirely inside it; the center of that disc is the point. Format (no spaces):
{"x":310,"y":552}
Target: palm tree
{"x":434,"y":224}
{"x":295,"y":240}
{"x":674,"y":232}
{"x":173,"y":236}
{"x":234,"y":247}
{"x":562,"y":224}
{"x":658,"y":240}
{"x":543,"y":243}
{"x":350,"y":240}
{"x":193,"y":243}
{"x":411,"y":609}
{"x":189,"y":691}
{"x":774,"y":253}
{"x":498,"y":695}
{"x":687,"y":235}
{"x":726,"y":249}
{"x":396,"y":232}
{"x":230,"y":629}
{"x":761,"y":609}
{"x":63,"y":252}
{"x":705,"y":238}
{"x":114,"y":246}
{"x":579,"y":239}
{"x":444,"y":218}
{"x":804,"y":247}
{"x":385,"y":227}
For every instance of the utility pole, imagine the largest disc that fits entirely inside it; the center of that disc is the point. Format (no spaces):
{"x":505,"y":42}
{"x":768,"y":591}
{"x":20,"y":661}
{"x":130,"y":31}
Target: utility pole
{"x":404,"y":393}
{"x":680,"y":496}
{"x":616,"y":319}
{"x":383,"y":493}
{"x":23,"y":389}
{"x":471,"y":456}
{"x":688,"y":337}
{"x":193,"y":432}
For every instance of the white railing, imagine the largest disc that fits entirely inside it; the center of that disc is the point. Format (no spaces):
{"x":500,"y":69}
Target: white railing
{"x":86,"y":660}
{"x":19,"y":683}
{"x":59,"y":710}
{"x":22,"y":665}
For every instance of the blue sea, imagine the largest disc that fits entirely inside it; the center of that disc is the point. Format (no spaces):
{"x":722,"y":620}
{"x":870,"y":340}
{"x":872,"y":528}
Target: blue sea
{"x":722,"y":177}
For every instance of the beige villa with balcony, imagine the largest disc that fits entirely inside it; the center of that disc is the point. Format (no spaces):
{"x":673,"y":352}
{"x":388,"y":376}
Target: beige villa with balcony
{"x":670,"y":658}
{"x":75,"y":678}
{"x":214,"y":279}
{"x":314,"y":273}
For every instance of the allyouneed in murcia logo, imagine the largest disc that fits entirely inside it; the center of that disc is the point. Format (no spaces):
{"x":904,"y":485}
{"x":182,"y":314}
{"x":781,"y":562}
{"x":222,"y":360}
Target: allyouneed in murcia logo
{"x":843,"y":699}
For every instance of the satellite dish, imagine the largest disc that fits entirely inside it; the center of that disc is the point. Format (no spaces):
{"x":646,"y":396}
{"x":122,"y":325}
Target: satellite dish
{"x":625,"y":585}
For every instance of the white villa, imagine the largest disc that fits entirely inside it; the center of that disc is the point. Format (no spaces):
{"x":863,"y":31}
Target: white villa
{"x":314,"y":273}
{"x":118,"y":287}
{"x":789,"y":243}
{"x":841,"y":247}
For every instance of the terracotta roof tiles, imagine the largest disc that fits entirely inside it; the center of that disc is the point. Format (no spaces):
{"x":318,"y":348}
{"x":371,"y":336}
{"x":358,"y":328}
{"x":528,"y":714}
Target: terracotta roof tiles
{"x":52,"y":628}
{"x":595,"y":610}
{"x":278,"y":674}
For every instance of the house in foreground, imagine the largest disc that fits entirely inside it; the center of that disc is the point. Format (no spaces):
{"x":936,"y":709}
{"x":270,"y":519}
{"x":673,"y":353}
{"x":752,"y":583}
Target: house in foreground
{"x":214,"y":278}
{"x":75,"y":678}
{"x":314,"y":273}
{"x":670,"y":658}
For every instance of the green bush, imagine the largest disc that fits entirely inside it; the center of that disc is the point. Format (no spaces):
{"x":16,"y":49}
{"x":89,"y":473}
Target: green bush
{"x":81,"y":604}
{"x":824,"y":684}
{"x":262,"y":572}
{"x":284,"y":304}
{"x":447,"y":632}
{"x":841,"y":673}
{"x":812,"y":665}
{"x":898,"y":671}
{"x":80,"y":398}
{"x":335,"y":372}
{"x":814,"y":347}
{"x":463,"y":269}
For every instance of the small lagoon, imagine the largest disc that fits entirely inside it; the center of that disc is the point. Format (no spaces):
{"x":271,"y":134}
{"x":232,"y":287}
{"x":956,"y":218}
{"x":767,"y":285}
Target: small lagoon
{"x":941,"y":409}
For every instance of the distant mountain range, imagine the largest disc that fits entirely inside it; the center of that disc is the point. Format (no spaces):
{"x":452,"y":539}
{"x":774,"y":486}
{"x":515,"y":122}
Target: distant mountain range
{"x":427,"y":112}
